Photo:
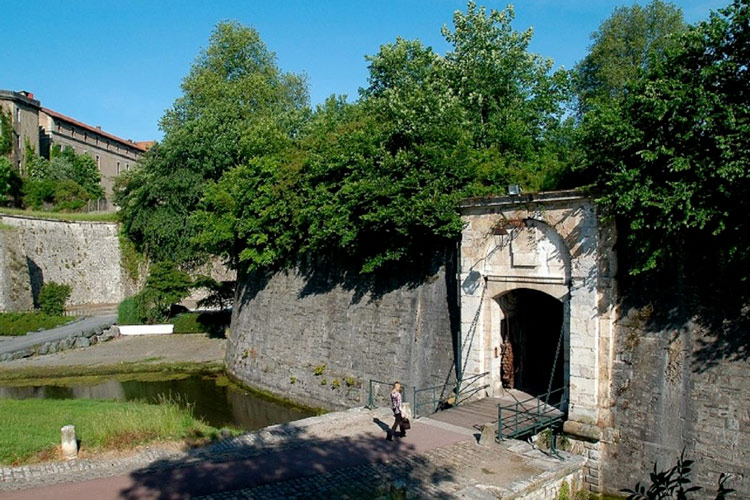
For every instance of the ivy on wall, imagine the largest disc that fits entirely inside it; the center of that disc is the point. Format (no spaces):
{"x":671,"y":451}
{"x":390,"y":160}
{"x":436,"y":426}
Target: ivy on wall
{"x":6,"y":133}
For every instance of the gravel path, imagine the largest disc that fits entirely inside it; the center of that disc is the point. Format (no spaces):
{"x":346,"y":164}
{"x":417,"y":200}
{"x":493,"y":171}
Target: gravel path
{"x":131,"y":349}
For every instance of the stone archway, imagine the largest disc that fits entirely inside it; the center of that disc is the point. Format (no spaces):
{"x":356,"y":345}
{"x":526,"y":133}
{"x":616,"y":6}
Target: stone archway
{"x":531,"y":332}
{"x":551,"y":243}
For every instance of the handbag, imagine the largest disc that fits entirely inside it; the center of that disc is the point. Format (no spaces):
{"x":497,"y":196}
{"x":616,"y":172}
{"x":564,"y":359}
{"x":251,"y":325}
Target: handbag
{"x":405,"y":424}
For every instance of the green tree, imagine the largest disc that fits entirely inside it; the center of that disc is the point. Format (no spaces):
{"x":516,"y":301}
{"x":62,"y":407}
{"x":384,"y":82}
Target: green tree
{"x":629,"y":42}
{"x":671,"y":156}
{"x":515,"y":102}
{"x":85,"y":173}
{"x":236,"y":106}
{"x":165,"y":285}
{"x":378,"y":181}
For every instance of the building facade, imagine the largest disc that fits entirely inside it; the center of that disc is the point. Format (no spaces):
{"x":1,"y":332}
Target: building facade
{"x":44,"y":128}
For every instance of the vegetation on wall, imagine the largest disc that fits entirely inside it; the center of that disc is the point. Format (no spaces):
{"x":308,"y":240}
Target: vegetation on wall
{"x":6,"y":133}
{"x":66,"y":182}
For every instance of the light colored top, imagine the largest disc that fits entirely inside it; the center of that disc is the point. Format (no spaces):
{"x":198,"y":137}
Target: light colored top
{"x":396,"y":402}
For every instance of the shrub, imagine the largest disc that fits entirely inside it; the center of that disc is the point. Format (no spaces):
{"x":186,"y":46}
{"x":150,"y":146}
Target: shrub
{"x":165,"y":285}
{"x":128,"y":312}
{"x":213,"y":323}
{"x":52,"y":298}
{"x":38,"y":192}
{"x":69,"y":196}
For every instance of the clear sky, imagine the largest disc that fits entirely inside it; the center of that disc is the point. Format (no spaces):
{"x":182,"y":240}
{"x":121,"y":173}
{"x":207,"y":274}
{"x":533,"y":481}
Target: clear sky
{"x":119,"y":64}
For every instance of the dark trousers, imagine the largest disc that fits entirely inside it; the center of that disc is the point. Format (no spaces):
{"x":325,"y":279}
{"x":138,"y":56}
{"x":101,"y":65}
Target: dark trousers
{"x":398,"y":423}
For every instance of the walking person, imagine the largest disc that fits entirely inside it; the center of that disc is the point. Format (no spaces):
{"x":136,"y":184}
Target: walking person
{"x":397,"y":405}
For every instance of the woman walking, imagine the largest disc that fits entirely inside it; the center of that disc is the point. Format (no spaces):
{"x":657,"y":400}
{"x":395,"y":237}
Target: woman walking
{"x":397,"y":405}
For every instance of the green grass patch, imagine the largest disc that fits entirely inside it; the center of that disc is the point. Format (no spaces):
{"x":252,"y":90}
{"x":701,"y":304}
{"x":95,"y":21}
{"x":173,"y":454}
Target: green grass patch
{"x":20,"y":323}
{"x":31,"y":427}
{"x":83,"y":217}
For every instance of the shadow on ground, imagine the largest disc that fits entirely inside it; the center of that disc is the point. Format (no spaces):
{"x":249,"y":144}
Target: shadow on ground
{"x":332,"y":462}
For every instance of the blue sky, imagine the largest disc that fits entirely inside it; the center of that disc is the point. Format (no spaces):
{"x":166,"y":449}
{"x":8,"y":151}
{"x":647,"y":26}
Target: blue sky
{"x":119,"y":64}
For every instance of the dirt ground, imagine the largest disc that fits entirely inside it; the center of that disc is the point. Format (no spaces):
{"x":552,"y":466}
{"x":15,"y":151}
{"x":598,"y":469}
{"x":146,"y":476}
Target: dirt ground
{"x":129,"y":349}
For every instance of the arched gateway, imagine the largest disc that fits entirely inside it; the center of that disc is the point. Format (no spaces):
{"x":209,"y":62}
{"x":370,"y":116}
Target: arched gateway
{"x":536,"y":284}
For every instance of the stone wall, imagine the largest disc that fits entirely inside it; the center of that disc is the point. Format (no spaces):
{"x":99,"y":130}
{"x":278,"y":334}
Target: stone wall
{"x":677,"y":388}
{"x":83,"y":255}
{"x":319,"y":339}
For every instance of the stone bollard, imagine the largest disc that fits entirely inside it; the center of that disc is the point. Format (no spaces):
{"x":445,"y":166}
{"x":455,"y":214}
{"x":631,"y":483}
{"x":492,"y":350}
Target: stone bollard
{"x":489,"y":435}
{"x":69,"y":443}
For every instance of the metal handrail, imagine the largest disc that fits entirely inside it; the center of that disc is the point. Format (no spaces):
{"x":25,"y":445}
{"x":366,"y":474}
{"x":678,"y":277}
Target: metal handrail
{"x":458,"y":390}
{"x":530,"y":415}
{"x":371,"y":397}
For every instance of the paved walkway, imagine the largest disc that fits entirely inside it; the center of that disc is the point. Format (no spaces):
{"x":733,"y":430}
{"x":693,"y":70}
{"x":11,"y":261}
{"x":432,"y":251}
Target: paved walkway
{"x":338,"y":455}
{"x":12,"y":344}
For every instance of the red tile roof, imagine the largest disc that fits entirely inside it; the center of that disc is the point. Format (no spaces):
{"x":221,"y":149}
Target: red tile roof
{"x":134,"y":145}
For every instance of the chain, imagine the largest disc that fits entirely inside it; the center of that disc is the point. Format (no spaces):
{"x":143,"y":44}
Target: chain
{"x":554,"y":363}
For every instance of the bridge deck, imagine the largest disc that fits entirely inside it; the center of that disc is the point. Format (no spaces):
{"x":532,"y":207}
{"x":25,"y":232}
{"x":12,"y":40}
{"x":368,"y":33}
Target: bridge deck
{"x":477,"y":413}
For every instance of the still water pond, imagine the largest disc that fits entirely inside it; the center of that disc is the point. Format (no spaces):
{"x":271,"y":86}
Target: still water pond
{"x":210,"y":397}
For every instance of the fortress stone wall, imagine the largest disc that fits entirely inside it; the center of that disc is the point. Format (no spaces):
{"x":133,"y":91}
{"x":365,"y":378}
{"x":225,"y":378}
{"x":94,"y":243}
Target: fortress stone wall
{"x":83,"y":255}
{"x":320,"y":341}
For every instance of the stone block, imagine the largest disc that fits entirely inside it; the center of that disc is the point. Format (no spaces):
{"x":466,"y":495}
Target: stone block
{"x":82,"y":342}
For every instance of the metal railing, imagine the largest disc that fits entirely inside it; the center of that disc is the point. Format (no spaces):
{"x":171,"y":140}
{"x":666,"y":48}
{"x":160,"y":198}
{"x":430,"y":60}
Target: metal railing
{"x":530,"y":415}
{"x":428,"y":400}
{"x":377,"y":393}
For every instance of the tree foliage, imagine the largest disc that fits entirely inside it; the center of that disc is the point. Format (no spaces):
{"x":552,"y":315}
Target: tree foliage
{"x":165,"y":285}
{"x":378,"y":181}
{"x":66,"y":181}
{"x":671,"y":156}
{"x":236,"y":106}
{"x":632,"y":40}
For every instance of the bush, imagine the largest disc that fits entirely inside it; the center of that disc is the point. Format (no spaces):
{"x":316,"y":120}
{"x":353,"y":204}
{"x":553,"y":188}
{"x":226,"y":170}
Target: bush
{"x":52,"y":298}
{"x":70,"y":196}
{"x":213,"y":323}
{"x":165,"y":285}
{"x":38,"y":192}
{"x":128,"y":312}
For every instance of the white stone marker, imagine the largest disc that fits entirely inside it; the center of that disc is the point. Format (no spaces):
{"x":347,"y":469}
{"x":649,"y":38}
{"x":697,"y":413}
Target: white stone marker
{"x":69,"y":443}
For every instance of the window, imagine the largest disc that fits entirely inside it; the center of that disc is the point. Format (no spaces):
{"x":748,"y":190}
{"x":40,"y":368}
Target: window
{"x":18,"y":115}
{"x":18,"y":141}
{"x":107,"y":144}
{"x":58,"y":128}
{"x":127,"y":166}
{"x":85,"y":137}
{"x":118,"y":168}
{"x":98,"y":163}
{"x":72,"y":132}
{"x":96,"y":140}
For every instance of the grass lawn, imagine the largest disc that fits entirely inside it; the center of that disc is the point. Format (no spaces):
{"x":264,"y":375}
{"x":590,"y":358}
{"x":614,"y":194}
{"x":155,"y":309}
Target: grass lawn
{"x":20,"y":323}
{"x":31,"y":427}
{"x":85,"y":217}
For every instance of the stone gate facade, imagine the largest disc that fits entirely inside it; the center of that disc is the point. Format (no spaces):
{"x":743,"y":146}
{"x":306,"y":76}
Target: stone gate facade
{"x":557,"y":245}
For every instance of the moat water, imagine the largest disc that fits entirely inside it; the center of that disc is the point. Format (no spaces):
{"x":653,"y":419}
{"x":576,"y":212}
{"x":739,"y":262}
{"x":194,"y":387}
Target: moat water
{"x":210,"y":398}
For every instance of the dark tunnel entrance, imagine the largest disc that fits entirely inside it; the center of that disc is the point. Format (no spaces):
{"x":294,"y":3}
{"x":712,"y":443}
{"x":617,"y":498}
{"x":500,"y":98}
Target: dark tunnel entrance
{"x":531,"y":330}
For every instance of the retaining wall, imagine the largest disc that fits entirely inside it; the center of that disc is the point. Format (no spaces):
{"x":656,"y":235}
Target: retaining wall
{"x":83,"y":255}
{"x":319,"y":340}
